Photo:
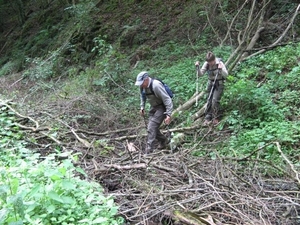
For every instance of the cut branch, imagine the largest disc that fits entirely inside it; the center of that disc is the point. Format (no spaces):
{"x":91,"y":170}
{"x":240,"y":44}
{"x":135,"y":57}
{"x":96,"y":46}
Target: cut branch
{"x":290,"y":164}
{"x":188,"y":104}
{"x":7,"y":104}
{"x":127,"y":167}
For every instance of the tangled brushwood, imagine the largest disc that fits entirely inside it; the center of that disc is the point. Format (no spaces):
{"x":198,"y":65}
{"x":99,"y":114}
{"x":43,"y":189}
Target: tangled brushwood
{"x":174,"y":187}
{"x":180,"y":189}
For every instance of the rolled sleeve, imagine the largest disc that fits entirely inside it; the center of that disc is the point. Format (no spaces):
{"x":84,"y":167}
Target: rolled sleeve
{"x":203,"y":68}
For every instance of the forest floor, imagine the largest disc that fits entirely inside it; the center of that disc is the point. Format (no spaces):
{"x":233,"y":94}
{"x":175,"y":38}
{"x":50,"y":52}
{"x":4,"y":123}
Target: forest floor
{"x":165,"y":187}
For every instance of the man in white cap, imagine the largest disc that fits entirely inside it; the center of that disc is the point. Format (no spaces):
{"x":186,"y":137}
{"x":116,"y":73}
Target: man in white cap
{"x":161,"y":108}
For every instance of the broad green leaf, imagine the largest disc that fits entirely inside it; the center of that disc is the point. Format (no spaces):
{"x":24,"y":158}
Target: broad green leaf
{"x":110,"y":202}
{"x":62,"y":170}
{"x":36,"y":189}
{"x":18,"y":204}
{"x":55,"y":177}
{"x":84,"y":221}
{"x":14,"y":184}
{"x":114,"y":210}
{"x":31,"y":206}
{"x":3,"y":192}
{"x":80,"y":170}
{"x":67,"y":200}
{"x":3,"y":215}
{"x":100,"y":220}
{"x":50,"y":208}
{"x":16,"y":223}
{"x":68,"y":185}
{"x":54,"y":196}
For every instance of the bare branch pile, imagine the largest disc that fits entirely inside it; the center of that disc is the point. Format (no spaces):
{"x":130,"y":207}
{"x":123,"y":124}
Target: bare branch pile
{"x":177,"y":187}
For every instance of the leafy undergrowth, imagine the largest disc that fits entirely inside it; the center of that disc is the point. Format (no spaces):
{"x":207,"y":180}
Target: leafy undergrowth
{"x":88,"y":88}
{"x":253,"y":150}
{"x":262,"y":107}
{"x":38,"y":189}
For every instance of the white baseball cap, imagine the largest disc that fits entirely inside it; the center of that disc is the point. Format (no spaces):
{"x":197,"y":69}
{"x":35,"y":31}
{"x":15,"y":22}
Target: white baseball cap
{"x":141,"y":77}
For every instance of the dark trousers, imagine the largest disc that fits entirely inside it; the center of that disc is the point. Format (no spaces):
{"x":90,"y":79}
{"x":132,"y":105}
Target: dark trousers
{"x":156,"y":117}
{"x":213,"y":110}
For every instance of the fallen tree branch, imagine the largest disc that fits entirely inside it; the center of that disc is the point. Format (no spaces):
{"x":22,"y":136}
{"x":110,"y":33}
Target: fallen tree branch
{"x":54,"y":139}
{"x":127,"y":167}
{"x":33,"y":129}
{"x":199,"y":113}
{"x":288,"y":161}
{"x":187,"y":104}
{"x":83,"y":141}
{"x":189,"y":218}
{"x":6,"y":104}
{"x":180,"y":129}
{"x":109,"y":132}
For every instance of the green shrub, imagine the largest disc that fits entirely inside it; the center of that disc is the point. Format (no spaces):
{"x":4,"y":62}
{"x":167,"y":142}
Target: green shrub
{"x":254,"y":105}
{"x":285,"y":132}
{"x":7,"y":68}
{"x":42,"y":190}
{"x":262,"y":107}
{"x":51,"y":192}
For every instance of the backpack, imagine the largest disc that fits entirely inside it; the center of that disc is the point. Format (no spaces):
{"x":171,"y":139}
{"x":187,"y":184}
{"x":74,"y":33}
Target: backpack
{"x":167,"y":88}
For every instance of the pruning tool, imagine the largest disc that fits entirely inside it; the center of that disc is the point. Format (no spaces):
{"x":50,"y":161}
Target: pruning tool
{"x":169,"y":134}
{"x":197,"y":83}
{"x":145,"y":121}
{"x":209,"y":99}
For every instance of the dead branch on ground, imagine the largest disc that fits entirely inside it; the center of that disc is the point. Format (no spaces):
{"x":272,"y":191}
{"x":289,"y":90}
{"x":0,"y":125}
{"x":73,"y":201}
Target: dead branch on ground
{"x":165,"y":188}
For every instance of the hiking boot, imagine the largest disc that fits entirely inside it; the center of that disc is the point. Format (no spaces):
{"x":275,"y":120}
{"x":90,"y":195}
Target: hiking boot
{"x":163,"y":144}
{"x":206,"y":122}
{"x":216,"y":122}
{"x":148,"y":150}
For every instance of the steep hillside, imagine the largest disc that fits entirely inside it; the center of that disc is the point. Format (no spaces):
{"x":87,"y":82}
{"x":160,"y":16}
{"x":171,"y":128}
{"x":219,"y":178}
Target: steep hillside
{"x":31,"y":29}
{"x":46,"y":27}
{"x":68,"y":70}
